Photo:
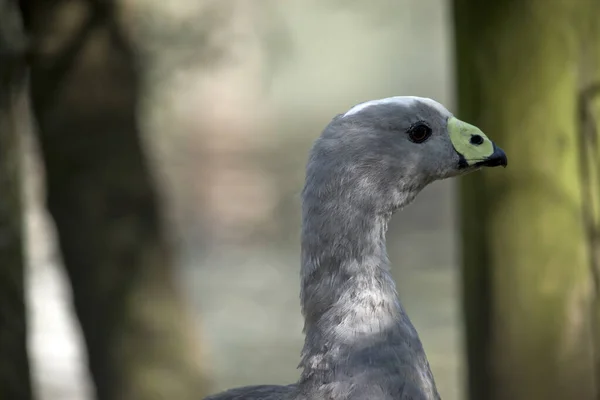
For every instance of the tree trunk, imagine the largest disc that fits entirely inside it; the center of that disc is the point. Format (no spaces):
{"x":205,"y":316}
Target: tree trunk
{"x":527,"y":279}
{"x":140,"y":340}
{"x":14,"y":366}
{"x":589,"y":119}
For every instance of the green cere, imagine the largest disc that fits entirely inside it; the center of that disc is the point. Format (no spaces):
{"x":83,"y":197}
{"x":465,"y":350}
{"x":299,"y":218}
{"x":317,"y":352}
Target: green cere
{"x":469,"y":141}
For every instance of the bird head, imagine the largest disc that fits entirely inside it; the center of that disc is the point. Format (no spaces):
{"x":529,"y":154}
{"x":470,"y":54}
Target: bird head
{"x":383,"y":152}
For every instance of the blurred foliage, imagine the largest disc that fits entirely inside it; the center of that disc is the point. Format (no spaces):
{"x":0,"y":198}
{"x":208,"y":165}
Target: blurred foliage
{"x":382,"y":14}
{"x":209,"y":33}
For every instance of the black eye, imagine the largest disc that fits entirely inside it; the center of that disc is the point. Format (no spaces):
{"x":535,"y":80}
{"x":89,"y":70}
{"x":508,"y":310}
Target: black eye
{"x":419,"y":133}
{"x":476,"y":140}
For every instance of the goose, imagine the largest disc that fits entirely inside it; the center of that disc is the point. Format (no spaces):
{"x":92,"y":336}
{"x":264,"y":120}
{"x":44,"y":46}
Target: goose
{"x":368,"y":163}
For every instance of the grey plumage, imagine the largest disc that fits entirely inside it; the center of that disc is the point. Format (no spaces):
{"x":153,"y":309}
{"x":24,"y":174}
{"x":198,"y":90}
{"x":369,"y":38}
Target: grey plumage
{"x":360,"y":344}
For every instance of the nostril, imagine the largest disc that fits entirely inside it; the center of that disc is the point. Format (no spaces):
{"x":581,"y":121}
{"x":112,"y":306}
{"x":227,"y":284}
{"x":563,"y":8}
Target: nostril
{"x":476,"y":140}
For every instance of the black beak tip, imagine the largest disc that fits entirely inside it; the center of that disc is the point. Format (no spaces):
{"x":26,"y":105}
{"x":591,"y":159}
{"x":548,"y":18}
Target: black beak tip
{"x":497,"y":159}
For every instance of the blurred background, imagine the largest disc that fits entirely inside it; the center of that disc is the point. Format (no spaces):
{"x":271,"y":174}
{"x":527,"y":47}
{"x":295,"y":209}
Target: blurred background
{"x":164,"y":143}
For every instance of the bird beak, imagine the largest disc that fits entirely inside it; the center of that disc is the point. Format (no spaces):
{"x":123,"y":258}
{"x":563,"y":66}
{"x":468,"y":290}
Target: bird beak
{"x":498,"y":158}
{"x":473,"y":146}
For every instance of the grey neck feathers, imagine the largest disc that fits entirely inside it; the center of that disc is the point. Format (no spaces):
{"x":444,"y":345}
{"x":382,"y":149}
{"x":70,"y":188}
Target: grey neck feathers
{"x":348,"y":296}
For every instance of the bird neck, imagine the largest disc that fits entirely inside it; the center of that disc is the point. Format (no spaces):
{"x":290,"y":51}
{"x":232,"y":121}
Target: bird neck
{"x":348,"y":296}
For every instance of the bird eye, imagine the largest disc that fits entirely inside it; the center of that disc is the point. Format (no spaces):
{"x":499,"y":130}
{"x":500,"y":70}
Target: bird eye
{"x":476,"y":140}
{"x":419,"y":133}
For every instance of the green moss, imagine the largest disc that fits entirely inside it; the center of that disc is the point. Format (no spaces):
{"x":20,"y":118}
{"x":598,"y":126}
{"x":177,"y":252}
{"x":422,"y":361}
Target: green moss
{"x":527,"y":283}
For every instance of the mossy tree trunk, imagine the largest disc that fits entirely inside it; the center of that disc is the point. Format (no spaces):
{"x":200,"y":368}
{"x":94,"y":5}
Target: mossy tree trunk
{"x":528,"y":288}
{"x":84,"y":86}
{"x":589,"y":119}
{"x":14,"y":365}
